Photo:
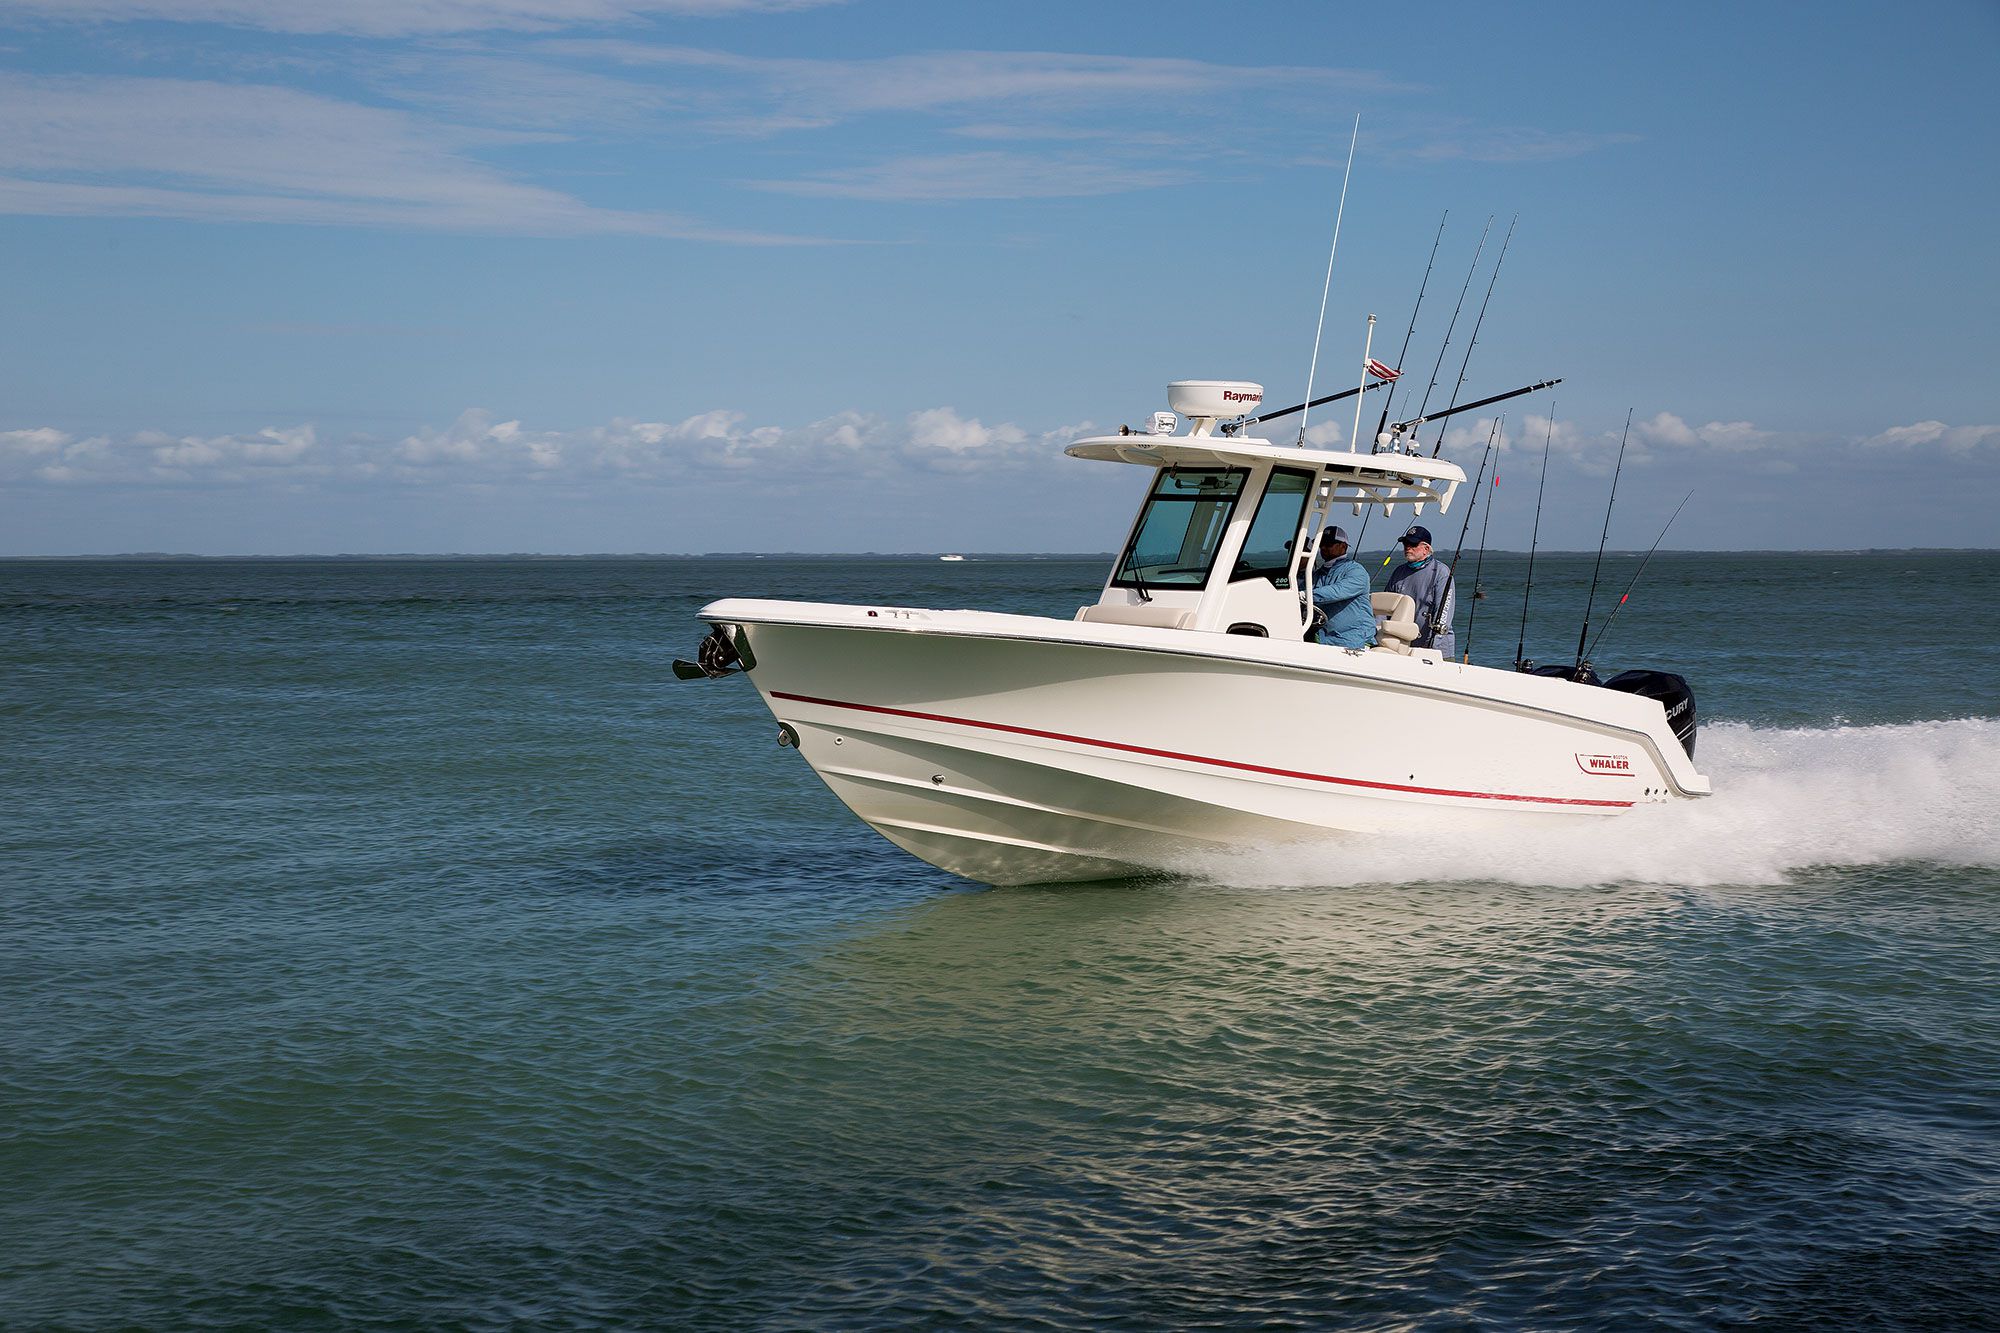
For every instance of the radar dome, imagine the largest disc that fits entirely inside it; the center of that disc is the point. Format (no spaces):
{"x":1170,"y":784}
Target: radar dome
{"x":1214,"y":398}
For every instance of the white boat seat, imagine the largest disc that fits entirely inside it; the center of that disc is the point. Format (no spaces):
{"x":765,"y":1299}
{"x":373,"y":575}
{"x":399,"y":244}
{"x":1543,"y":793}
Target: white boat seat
{"x":1151,"y":617}
{"x":1395,"y":621}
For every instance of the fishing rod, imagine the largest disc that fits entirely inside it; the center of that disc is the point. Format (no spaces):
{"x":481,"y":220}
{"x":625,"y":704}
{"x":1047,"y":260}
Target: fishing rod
{"x":1415,"y":422}
{"x":1484,"y":525}
{"x":1642,"y":569}
{"x":1591,"y":600}
{"x":1477,"y":323}
{"x":1327,"y":286}
{"x":1411,"y":328}
{"x":1439,"y":364}
{"x":1521,"y":662}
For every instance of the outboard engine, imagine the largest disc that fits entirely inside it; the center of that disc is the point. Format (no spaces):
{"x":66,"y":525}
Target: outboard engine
{"x":1673,"y":693}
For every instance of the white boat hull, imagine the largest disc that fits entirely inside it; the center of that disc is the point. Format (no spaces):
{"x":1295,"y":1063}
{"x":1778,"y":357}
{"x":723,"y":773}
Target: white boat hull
{"x":1015,"y":749}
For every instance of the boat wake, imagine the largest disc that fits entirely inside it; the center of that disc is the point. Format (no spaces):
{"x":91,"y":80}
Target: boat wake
{"x":1785,"y":800}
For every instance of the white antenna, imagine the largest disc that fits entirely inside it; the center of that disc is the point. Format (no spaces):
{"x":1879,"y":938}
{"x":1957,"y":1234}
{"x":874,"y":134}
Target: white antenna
{"x":1328,"y":286}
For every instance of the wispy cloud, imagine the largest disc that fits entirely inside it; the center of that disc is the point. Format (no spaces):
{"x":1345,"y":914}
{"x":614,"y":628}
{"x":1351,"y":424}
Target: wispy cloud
{"x":979,"y":176}
{"x":1116,"y":123}
{"x":515,"y":92}
{"x":1936,"y":434}
{"x":945,"y":80}
{"x":393,"y":18}
{"x":215,"y":151}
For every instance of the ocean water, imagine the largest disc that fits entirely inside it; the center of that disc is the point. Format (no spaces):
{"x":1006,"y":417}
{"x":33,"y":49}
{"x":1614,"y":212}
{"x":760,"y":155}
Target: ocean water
{"x":396,"y":944}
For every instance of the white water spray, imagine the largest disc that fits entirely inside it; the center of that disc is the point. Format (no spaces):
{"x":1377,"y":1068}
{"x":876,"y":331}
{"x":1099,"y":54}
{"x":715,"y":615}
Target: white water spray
{"x":1786,"y":800}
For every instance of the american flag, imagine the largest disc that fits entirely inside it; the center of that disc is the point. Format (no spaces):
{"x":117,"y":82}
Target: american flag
{"x":1380,"y":371}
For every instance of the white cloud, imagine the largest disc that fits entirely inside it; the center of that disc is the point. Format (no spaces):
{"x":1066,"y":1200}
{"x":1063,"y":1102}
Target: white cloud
{"x":1664,"y":430}
{"x":714,"y":447}
{"x":49,"y":455}
{"x":1732,"y":435}
{"x":476,"y":448}
{"x":1528,"y":434}
{"x":41,"y":440}
{"x":193,"y":149}
{"x":1956,"y":439}
{"x":1667,"y":437}
{"x":721,"y":443}
{"x":386,"y":18}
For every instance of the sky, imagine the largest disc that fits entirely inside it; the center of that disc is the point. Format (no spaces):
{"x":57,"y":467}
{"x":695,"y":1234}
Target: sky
{"x":573,"y":276}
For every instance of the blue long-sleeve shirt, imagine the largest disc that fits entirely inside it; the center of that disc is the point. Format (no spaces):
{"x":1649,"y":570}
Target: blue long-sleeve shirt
{"x":1341,"y":590}
{"x":1437,"y":601}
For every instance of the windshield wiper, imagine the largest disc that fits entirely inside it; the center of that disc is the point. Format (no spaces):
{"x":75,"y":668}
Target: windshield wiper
{"x":1139,"y":584}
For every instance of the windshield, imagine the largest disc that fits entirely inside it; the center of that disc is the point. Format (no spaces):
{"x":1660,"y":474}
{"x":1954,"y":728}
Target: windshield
{"x":1175,"y":543}
{"x":1267,"y":551}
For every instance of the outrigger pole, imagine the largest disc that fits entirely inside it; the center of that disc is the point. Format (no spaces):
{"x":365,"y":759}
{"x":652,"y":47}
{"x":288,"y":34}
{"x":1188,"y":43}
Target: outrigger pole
{"x":1300,"y":407}
{"x":1415,"y":422}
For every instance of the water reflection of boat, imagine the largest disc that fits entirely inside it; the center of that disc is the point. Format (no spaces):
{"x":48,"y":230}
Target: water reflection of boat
{"x":1185,"y":707}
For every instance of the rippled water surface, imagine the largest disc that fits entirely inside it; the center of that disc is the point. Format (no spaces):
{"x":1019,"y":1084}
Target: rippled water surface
{"x":396,"y":944}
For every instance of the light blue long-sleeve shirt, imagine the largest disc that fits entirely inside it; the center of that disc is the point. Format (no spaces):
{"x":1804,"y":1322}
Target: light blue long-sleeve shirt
{"x":1341,"y":590}
{"x":1437,"y":601}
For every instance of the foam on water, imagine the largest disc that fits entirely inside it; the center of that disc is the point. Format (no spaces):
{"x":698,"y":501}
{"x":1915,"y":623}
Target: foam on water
{"x":1785,"y":799}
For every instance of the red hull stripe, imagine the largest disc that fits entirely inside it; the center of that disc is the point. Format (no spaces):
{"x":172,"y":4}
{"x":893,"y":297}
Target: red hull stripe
{"x":1194,"y":758}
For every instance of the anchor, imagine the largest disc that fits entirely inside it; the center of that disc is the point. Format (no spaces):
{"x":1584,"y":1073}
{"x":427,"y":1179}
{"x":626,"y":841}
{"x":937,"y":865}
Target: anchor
{"x":722,"y":653}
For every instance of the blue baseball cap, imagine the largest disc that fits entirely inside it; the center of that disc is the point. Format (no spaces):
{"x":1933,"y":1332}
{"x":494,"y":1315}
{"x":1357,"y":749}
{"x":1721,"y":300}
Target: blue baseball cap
{"x":1415,"y":535}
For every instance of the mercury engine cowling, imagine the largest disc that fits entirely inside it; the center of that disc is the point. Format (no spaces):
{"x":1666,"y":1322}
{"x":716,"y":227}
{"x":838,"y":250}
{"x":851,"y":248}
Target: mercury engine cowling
{"x":1673,"y":693}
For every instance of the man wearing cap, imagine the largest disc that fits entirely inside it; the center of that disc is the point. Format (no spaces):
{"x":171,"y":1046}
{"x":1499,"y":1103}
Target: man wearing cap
{"x":1428,"y":581}
{"x":1341,"y":590}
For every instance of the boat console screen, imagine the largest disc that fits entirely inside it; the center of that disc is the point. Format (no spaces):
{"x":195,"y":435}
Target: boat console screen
{"x":1180,"y":529}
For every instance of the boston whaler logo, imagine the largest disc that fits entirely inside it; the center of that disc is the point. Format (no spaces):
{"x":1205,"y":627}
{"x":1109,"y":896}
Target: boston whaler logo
{"x":1232,"y":396}
{"x":1605,"y":765}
